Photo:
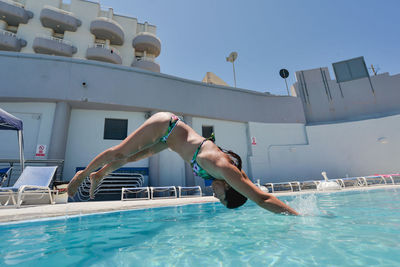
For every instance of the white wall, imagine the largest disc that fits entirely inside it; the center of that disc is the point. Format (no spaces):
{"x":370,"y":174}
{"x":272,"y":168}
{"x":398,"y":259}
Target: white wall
{"x":172,"y":169}
{"x":290,"y":152}
{"x":37,"y":122}
{"x":270,"y":135}
{"x":85,"y":137}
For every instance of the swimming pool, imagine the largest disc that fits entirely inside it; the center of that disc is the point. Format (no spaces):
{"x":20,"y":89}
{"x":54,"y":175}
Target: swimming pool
{"x":339,"y":229}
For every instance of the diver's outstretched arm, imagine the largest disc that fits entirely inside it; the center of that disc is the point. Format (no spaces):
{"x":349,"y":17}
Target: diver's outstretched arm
{"x":221,"y":168}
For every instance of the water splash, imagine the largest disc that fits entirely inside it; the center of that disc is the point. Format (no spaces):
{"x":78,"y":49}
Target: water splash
{"x":307,"y":205}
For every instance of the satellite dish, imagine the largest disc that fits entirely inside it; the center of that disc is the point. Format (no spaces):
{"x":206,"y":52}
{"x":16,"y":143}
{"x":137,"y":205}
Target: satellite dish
{"x":284,"y":73}
{"x":232,"y":57}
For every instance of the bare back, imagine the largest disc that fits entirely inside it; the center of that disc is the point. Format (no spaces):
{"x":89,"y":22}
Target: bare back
{"x":184,"y":141}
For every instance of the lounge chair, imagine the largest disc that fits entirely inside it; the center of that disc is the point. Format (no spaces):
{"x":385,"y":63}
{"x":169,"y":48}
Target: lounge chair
{"x":4,"y":175}
{"x":186,"y":189}
{"x":163,"y":192}
{"x":33,"y":182}
{"x":140,"y":193}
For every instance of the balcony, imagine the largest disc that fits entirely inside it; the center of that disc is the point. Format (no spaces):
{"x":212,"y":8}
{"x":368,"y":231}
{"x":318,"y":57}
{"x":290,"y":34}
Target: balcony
{"x":53,"y":46}
{"x":147,"y":42}
{"x":146,"y":63}
{"x":107,"y":29}
{"x":14,"y":13}
{"x":59,"y":20}
{"x":10,"y":42}
{"x":104,"y":53}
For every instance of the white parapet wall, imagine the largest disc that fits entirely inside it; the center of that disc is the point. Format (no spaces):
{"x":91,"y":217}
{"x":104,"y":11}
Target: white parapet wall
{"x":326,"y":100}
{"x":296,"y":152}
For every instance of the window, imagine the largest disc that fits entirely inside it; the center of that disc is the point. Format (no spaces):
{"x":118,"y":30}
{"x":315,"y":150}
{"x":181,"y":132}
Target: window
{"x":351,"y":69}
{"x":115,"y":129}
{"x":207,"y":131}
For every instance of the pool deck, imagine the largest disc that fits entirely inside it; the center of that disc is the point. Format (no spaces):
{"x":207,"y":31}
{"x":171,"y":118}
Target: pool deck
{"x":27,"y":213}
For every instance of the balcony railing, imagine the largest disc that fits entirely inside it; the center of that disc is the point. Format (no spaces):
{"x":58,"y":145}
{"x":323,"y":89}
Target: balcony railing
{"x":58,"y":19}
{"x":146,"y":63}
{"x":103,"y":52}
{"x":104,"y":46}
{"x":10,"y":42}
{"x":107,"y":29}
{"x":53,"y":46}
{"x":8,"y":33}
{"x":14,"y":13}
{"x":65,"y":12}
{"x":14,"y":3}
{"x":59,"y":40}
{"x":147,"y":42}
{"x":148,"y":59}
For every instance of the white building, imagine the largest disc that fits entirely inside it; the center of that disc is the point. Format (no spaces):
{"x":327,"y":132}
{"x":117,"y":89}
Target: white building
{"x":79,"y":29}
{"x":68,"y":102}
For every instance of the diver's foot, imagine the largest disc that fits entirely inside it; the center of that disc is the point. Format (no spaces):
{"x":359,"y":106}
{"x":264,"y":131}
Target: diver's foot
{"x":95,"y":180}
{"x":75,"y":183}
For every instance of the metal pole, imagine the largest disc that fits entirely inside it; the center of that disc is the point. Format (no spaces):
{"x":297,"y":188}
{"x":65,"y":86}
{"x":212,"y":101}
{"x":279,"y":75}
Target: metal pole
{"x":21,"y":150}
{"x":234,"y":73}
{"x":287,"y":88}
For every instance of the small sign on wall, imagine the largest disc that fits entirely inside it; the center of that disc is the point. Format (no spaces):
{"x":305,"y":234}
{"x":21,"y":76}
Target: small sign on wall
{"x":253,"y":141}
{"x":41,"y":151}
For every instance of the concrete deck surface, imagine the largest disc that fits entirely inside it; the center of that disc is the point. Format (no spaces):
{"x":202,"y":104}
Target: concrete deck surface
{"x":24,"y":213}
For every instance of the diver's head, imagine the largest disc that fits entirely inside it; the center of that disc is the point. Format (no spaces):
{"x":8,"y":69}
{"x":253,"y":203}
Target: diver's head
{"x":227,"y":195}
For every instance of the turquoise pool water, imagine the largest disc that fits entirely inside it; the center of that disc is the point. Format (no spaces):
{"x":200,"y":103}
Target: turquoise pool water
{"x":338,"y":229}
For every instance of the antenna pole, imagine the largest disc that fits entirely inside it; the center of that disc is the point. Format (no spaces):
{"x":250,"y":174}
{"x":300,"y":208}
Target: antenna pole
{"x":234,"y":73}
{"x":287,"y":88}
{"x":373,"y":69}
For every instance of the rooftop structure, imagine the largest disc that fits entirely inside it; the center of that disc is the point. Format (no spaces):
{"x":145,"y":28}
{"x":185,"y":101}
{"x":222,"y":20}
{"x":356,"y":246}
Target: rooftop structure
{"x":80,"y":29}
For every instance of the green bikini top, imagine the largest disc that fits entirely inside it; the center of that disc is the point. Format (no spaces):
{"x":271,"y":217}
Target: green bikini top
{"x":197,"y":169}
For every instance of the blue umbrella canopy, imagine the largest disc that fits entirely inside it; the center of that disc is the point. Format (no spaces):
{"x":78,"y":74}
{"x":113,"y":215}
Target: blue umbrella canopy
{"x":9,"y":122}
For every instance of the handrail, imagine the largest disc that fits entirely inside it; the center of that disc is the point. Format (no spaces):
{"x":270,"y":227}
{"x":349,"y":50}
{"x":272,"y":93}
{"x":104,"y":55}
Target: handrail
{"x":148,"y":59}
{"x":59,"y":10}
{"x":14,"y":3}
{"x":104,"y":46}
{"x":8,"y":33}
{"x":62,"y":41}
{"x":54,"y":161}
{"x":362,"y":181}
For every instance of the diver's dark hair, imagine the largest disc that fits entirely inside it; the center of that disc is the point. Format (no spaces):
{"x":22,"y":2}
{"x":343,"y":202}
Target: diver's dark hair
{"x":233,"y":198}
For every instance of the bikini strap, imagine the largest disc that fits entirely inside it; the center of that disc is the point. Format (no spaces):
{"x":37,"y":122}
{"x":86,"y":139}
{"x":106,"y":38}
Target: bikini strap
{"x":172,"y":123}
{"x":211,"y":138}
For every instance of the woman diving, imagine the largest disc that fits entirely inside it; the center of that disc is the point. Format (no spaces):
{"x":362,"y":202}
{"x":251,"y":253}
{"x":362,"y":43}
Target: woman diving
{"x":165,"y":130}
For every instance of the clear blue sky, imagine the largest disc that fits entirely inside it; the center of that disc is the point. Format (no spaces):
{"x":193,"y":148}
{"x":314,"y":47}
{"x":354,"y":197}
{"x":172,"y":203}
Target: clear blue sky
{"x":268,"y":35}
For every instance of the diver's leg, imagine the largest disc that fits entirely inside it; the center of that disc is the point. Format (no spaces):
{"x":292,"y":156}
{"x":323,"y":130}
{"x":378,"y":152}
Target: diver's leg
{"x":148,"y":134}
{"x":96,"y":177}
